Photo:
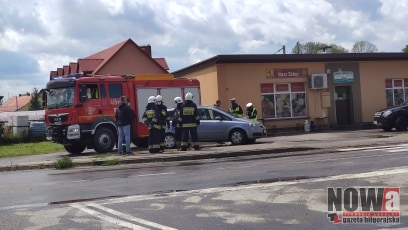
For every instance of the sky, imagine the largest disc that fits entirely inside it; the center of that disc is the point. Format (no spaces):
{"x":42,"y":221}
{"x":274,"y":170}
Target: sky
{"x":37,"y":36}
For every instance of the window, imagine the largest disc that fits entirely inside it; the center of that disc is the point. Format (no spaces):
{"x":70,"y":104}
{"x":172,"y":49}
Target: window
{"x":287,"y":100}
{"x":396,"y":91}
{"x":115,"y":90}
{"x":92,"y":91}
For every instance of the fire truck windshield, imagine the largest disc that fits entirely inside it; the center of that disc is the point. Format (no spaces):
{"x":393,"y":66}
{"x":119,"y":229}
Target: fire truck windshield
{"x":60,"y":98}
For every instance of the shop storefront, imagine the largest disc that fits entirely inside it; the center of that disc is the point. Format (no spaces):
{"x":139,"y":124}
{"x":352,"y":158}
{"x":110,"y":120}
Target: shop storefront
{"x":288,"y":90}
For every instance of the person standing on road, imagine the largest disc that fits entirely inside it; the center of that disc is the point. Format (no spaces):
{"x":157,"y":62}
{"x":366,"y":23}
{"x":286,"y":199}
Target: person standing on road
{"x":189,"y":121}
{"x":251,"y":112}
{"x":176,"y":124}
{"x":150,"y":118}
{"x":124,"y":116}
{"x":235,"y":109}
{"x":163,"y":120}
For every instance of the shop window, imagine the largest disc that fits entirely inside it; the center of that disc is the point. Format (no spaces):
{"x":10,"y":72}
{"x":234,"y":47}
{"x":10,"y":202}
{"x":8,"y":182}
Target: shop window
{"x":287,"y":100}
{"x":396,"y":91}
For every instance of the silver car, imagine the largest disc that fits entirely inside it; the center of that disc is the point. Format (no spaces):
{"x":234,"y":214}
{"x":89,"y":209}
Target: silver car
{"x":218,"y":126}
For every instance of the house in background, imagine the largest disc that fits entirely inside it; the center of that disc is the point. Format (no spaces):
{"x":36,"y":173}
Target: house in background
{"x":16,"y":103}
{"x":121,"y":59}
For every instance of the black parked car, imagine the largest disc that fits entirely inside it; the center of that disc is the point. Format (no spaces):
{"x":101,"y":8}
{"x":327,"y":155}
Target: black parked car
{"x":392,"y":117}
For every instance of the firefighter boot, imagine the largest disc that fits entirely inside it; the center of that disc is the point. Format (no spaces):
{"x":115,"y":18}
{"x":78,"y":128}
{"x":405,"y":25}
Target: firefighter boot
{"x":196,"y":147}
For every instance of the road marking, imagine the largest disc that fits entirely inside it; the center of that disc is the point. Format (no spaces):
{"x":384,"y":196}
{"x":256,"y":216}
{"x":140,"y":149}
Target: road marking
{"x":132,"y":218}
{"x":346,"y":158}
{"x":108,"y":218}
{"x":373,"y":148}
{"x":155,"y":174}
{"x":389,"y":171}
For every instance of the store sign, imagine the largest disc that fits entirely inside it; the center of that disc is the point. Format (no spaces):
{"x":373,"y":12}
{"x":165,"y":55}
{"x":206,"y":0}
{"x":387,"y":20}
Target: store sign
{"x":343,"y":77}
{"x":286,"y":73}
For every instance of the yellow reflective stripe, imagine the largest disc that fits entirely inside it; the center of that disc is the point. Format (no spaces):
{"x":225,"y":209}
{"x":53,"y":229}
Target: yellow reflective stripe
{"x":189,"y":125}
{"x":188,"y":111}
{"x":149,"y":113}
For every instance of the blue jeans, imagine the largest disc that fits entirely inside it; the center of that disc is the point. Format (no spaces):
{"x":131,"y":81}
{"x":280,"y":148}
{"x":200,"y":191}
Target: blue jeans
{"x":124,"y":133}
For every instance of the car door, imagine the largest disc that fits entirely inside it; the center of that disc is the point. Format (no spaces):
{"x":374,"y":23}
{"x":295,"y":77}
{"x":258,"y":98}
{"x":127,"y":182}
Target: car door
{"x":212,"y":127}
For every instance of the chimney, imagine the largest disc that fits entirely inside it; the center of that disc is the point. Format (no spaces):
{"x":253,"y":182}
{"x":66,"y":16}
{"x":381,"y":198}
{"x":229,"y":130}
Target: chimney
{"x":147,"y":50}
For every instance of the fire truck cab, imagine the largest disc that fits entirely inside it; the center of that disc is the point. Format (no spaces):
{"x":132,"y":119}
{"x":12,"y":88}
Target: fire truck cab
{"x":80,"y":109}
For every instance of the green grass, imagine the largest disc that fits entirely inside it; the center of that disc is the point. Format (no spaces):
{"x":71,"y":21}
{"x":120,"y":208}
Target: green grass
{"x":27,"y":149}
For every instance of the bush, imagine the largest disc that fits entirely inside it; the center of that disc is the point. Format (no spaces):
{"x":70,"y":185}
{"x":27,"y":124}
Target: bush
{"x":64,"y":163}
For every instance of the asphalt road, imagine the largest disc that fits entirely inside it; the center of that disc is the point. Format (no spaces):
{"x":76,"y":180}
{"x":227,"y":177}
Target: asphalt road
{"x":254,"y":192}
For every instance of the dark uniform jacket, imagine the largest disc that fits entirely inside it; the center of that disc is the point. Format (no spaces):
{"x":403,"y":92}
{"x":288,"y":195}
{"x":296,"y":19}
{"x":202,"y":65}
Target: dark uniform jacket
{"x":175,"y":122}
{"x":151,"y":115}
{"x":189,"y":115}
{"x":163,"y":118}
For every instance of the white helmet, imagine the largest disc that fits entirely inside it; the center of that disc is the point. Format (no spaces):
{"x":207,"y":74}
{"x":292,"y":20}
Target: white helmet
{"x":151,"y":99}
{"x":159,"y":98}
{"x":178,"y":100}
{"x":249,"y":105}
{"x":189,"y":96}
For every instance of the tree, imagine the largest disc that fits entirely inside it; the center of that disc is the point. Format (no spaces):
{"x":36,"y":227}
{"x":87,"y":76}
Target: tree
{"x":35,"y":102}
{"x":314,"y":47}
{"x":364,"y":47}
{"x":405,"y":50}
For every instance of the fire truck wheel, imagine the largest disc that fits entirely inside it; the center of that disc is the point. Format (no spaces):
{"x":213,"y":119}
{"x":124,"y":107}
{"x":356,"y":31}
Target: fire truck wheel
{"x":76,"y":148}
{"x":104,"y":140}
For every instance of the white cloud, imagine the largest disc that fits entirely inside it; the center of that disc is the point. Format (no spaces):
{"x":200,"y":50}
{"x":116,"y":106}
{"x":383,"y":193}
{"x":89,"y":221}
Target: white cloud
{"x":44,"y":35}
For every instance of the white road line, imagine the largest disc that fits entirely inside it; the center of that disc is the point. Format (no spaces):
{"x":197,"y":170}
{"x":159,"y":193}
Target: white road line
{"x":389,"y":171}
{"x":155,"y":174}
{"x":108,"y":218}
{"x":132,"y":218}
{"x":346,"y":158}
{"x":373,"y":147}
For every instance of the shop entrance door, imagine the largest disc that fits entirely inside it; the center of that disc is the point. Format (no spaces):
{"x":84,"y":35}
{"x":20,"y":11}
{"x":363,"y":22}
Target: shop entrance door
{"x":343,"y":105}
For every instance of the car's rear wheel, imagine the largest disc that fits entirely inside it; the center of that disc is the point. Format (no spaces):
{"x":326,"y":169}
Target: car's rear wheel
{"x":238,"y":137}
{"x":169,"y":141}
{"x":401,"y":123}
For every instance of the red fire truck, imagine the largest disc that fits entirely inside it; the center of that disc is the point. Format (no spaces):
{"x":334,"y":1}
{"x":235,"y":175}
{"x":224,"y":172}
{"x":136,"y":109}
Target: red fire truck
{"x":80,"y":109}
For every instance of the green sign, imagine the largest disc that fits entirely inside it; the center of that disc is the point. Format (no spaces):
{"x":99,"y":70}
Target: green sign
{"x":343,"y":77}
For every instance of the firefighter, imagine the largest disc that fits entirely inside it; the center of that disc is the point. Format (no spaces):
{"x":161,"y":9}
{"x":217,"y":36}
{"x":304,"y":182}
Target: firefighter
{"x":251,"y":112}
{"x":163,"y":120}
{"x":150,"y":118}
{"x":189,"y":121}
{"x":176,"y":124}
{"x":235,"y":109}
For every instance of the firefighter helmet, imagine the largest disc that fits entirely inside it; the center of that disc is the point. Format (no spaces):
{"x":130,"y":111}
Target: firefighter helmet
{"x":249,"y":105}
{"x":189,"y":96}
{"x":178,"y":100}
{"x":159,"y":98}
{"x":151,"y":99}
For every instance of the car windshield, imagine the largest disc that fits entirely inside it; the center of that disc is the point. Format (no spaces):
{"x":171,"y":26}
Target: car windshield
{"x":60,"y":98}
